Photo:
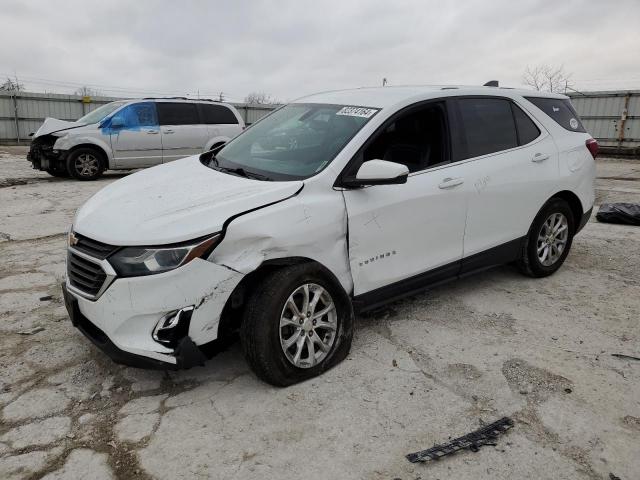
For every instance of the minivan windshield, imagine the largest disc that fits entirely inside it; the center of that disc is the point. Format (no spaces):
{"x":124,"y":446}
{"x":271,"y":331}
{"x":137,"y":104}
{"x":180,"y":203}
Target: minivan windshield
{"x":99,"y":113}
{"x":294,"y":142}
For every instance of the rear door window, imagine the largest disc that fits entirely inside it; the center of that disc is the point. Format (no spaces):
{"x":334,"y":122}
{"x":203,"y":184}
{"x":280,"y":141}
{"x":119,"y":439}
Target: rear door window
{"x":178,"y":113}
{"x":487,"y":126}
{"x":561,"y":111}
{"x":216,"y":114}
{"x":527,"y":130}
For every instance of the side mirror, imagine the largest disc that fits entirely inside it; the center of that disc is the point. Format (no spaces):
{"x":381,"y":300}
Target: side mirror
{"x":117,"y":122}
{"x":378,"y":172}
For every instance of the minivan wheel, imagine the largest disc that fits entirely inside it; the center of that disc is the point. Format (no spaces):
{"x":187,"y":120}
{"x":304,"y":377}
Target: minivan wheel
{"x":85,"y":164}
{"x":549,"y":239}
{"x":297,"y":324}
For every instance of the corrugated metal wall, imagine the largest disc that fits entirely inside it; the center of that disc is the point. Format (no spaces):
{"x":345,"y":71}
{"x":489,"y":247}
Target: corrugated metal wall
{"x":613,"y":118}
{"x":33,"y":108}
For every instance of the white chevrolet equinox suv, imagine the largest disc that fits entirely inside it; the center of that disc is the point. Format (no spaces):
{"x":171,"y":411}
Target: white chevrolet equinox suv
{"x":331,"y":205}
{"x":132,"y":134}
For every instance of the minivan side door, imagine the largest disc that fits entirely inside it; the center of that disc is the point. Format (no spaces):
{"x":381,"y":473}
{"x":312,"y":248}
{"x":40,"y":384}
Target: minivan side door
{"x":134,"y":134}
{"x":511,"y":165}
{"x":182,"y":132}
{"x":404,"y":236}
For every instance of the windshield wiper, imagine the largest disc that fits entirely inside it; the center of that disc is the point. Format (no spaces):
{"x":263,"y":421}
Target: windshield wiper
{"x":241,"y":172}
{"x":212,"y":162}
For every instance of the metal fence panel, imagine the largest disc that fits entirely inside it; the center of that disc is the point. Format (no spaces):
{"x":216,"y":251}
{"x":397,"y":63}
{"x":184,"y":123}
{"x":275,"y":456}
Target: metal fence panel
{"x":613,"y":118}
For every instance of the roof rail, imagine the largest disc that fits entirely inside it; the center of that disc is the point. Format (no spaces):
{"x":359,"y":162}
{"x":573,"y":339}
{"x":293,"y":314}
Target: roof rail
{"x":182,"y":98}
{"x":165,"y":98}
{"x":491,"y":83}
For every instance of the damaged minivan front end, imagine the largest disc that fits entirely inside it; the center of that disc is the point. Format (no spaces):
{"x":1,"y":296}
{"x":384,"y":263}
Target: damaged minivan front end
{"x":43,"y":155}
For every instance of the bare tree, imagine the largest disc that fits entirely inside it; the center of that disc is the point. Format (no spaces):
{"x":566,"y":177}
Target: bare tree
{"x":11,"y":86}
{"x":260,"y":98}
{"x":88,"y":92}
{"x":548,"y":78}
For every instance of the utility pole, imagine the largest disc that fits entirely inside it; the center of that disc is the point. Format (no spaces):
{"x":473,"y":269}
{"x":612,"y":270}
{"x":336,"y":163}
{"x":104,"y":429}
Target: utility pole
{"x":15,"y":114}
{"x":15,"y":107}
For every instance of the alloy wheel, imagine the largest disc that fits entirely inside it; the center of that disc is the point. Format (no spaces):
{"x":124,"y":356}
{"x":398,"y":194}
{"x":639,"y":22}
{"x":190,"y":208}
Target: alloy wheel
{"x":86,"y":165}
{"x":552,"y":239}
{"x":308,"y":325}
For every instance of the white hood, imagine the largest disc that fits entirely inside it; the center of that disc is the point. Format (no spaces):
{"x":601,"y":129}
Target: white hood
{"x":171,"y":203}
{"x":51,"y":125}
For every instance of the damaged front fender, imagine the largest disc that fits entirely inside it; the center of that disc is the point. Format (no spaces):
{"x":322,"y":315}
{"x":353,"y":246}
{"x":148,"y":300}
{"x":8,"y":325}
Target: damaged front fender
{"x":312,"y":224}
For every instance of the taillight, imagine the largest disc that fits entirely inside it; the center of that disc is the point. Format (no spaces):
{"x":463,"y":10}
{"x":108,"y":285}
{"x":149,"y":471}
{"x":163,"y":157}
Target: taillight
{"x":592,"y":145}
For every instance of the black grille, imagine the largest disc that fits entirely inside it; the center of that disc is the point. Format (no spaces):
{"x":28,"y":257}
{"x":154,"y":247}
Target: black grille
{"x":94,"y":248}
{"x":85,"y":275}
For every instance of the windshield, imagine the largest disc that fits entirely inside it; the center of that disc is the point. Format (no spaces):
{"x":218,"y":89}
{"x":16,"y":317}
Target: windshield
{"x":99,"y":113}
{"x":295,"y":142}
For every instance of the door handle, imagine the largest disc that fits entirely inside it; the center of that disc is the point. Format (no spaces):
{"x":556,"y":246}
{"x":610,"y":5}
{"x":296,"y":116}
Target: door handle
{"x":539,"y":157}
{"x":152,"y":132}
{"x":167,"y":131}
{"x":451,"y":182}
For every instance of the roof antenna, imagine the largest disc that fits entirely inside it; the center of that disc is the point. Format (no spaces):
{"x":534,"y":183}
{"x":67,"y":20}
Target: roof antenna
{"x":491,"y":83}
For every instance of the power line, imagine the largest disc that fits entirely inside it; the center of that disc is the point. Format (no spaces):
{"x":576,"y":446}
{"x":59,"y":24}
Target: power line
{"x":119,"y":89}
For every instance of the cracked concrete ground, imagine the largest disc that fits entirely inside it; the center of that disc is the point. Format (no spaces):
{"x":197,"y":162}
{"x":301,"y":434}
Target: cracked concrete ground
{"x":420,"y":371}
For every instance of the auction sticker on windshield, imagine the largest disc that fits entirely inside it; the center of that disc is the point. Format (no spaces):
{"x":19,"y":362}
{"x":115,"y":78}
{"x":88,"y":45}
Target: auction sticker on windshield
{"x":357,"y":112}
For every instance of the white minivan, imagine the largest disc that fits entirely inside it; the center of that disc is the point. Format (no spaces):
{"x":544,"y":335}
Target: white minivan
{"x":333,"y":204}
{"x":132,"y":134}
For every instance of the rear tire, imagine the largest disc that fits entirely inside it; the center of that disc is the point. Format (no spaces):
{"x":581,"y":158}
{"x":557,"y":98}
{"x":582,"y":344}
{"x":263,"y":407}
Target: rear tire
{"x":270,"y":321}
{"x":86,"y":164}
{"x":549,"y":240}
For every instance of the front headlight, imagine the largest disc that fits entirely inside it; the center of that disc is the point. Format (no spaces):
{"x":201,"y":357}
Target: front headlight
{"x":136,"y":261}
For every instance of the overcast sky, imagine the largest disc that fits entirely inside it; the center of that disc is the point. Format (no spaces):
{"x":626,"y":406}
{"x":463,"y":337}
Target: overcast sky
{"x":291,"y":48}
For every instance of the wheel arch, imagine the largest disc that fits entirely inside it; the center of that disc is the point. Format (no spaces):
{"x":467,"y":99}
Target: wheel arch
{"x":93,"y":146}
{"x":232,"y":313}
{"x":214,"y":142}
{"x":574,"y":203}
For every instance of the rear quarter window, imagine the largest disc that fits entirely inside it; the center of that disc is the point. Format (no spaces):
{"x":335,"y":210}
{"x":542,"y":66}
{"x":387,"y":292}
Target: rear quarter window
{"x":561,"y":111}
{"x":217,"y":114}
{"x":527,"y":130}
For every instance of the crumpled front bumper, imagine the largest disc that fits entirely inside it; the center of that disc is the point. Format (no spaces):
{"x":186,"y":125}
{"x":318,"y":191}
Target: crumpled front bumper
{"x":43,"y":156}
{"x":121,"y":321}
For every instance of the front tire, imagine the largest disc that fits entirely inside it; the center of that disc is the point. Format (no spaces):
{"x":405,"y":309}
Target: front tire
{"x":85,"y":164}
{"x":549,"y":239}
{"x":58,"y":173}
{"x":283,"y":343}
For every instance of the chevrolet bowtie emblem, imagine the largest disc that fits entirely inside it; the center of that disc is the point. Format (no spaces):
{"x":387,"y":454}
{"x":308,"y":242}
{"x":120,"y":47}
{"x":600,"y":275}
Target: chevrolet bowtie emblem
{"x":73,"y":240}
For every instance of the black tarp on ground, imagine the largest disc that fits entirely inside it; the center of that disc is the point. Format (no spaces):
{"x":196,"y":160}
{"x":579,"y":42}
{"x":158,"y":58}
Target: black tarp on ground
{"x":626,"y":213}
